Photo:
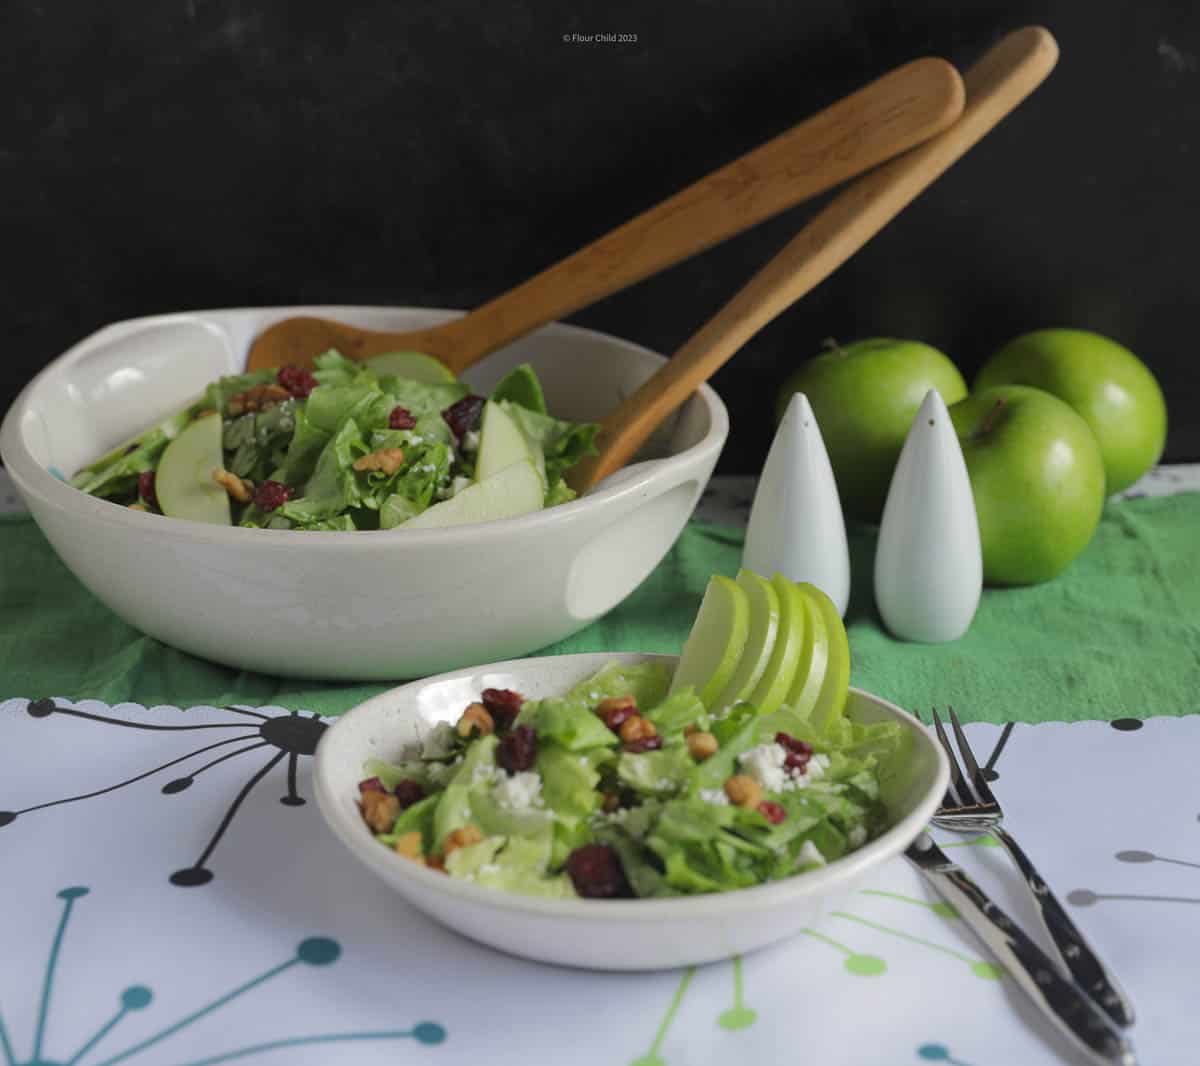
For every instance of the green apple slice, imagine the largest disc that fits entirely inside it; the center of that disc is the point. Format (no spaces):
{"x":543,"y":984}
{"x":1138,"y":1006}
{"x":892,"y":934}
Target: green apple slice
{"x":714,"y":646}
{"x":184,"y":482}
{"x":814,"y":658}
{"x":515,"y":490}
{"x":502,"y":443}
{"x":835,"y":687}
{"x":776,"y":681}
{"x":416,"y":366}
{"x":760,"y":640}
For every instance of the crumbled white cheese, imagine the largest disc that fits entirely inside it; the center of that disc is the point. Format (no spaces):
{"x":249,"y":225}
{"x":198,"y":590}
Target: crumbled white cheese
{"x":810,"y":855}
{"x":816,"y":767}
{"x":458,"y":484}
{"x":857,"y":837}
{"x":440,"y":742}
{"x":521,"y":792}
{"x":715,"y":796}
{"x":470,"y":443}
{"x":765,"y":765}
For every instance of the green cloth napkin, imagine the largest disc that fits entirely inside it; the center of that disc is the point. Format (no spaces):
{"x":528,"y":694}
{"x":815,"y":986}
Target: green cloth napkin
{"x":1117,"y":635}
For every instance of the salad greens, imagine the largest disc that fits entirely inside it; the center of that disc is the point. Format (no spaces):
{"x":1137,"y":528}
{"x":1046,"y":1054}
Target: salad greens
{"x":345,"y":446}
{"x":574,"y":795}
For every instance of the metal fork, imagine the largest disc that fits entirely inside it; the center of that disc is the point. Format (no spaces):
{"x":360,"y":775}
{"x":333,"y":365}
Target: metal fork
{"x":970,"y":807}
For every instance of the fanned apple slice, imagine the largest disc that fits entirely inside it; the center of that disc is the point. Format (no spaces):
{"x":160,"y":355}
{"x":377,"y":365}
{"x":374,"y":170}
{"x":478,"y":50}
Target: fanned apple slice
{"x":184,"y":481}
{"x":715,"y":643}
{"x":776,"y":681}
{"x":814,"y":659}
{"x":502,"y":443}
{"x":416,"y":366}
{"x":835,"y":686}
{"x":760,"y":639}
{"x":515,"y":490}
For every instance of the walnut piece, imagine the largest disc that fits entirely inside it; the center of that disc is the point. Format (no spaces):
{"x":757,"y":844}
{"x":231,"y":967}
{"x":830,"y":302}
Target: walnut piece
{"x":475,"y":719}
{"x":409,"y":845}
{"x":238,"y":487}
{"x":257,"y":398}
{"x":379,"y":810}
{"x":616,"y":703}
{"x":461,"y":838}
{"x":744,"y":791}
{"x":389,"y":460}
{"x":637,"y":728}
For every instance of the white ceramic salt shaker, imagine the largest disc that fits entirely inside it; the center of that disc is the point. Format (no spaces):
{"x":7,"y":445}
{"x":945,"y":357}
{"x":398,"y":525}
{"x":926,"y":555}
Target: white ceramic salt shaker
{"x":929,"y":564}
{"x":796,"y":526}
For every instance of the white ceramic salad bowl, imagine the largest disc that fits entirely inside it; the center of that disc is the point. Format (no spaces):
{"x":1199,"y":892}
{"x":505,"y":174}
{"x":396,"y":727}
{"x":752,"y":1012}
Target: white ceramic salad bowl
{"x":364,"y":606}
{"x":603,"y":934}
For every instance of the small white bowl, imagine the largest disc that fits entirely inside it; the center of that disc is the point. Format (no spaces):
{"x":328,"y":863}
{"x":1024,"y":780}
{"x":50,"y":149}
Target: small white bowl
{"x":382,"y":605}
{"x":602,"y":934}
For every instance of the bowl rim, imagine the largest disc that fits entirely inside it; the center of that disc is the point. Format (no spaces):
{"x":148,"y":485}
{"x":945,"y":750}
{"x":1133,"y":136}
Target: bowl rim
{"x":715,"y":905}
{"x":36,"y":480}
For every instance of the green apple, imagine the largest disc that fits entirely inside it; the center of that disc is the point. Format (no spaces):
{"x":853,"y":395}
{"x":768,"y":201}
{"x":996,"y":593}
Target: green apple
{"x":1037,"y":478}
{"x":1109,"y":386}
{"x":760,"y":639}
{"x":714,"y":646}
{"x":184,"y":480}
{"x":776,"y":682}
{"x":814,"y":659}
{"x":501,"y":443}
{"x":515,"y":490}
{"x":835,"y":686}
{"x":864,"y":396}
{"x":417,"y":366}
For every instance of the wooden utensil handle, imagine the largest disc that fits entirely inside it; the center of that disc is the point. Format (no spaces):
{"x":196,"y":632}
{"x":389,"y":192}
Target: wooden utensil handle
{"x":995,"y":85}
{"x":897,"y":111}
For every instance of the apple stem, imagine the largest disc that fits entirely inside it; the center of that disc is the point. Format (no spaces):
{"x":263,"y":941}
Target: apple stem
{"x":831,"y":344}
{"x":989,"y":420}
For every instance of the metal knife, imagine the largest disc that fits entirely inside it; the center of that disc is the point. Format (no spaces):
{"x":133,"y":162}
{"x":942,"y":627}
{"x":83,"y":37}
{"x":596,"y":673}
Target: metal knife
{"x":1063,"y":1002}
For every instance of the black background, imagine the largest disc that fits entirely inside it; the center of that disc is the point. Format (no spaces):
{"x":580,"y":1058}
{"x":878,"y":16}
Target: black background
{"x":161,"y":155}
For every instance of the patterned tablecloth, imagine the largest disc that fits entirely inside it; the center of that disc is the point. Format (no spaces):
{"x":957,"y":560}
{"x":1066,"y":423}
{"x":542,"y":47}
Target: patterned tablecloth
{"x":171,"y":896}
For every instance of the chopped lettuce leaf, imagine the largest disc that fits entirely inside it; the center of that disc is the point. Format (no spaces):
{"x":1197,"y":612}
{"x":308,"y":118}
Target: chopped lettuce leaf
{"x":521,"y":386}
{"x":454,"y":806}
{"x":678,"y":710}
{"x":570,"y":724}
{"x":562,"y":443}
{"x":656,"y":773}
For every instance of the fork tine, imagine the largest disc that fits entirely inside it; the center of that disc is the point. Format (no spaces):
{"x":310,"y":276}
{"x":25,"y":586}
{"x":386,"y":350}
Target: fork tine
{"x":958,"y":784}
{"x":978,"y":781}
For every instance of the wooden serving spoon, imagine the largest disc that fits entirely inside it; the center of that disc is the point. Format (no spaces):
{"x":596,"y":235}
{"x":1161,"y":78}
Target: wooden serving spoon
{"x":995,"y":85}
{"x":899,"y":110}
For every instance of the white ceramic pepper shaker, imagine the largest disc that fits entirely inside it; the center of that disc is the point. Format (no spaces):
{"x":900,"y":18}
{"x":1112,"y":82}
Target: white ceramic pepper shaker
{"x":929,"y":564}
{"x":796,"y":526}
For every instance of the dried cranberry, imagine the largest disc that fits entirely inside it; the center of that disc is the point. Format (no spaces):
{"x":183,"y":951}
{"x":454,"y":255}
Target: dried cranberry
{"x":371,"y":784}
{"x":270,"y":494}
{"x":401,"y":418}
{"x":614,"y":716}
{"x":797,"y":747}
{"x":772,"y":812}
{"x":146,"y":489}
{"x":596,"y":872}
{"x":636,"y":747}
{"x":517,"y":750}
{"x":796,"y":762}
{"x":408,"y":792}
{"x":462,"y":417}
{"x":298,"y":381}
{"x":503,"y":704}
